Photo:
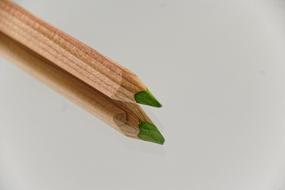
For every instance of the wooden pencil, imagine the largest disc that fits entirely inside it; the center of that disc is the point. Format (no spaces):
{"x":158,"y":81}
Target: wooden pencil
{"x":127,"y":118}
{"x":73,"y":56}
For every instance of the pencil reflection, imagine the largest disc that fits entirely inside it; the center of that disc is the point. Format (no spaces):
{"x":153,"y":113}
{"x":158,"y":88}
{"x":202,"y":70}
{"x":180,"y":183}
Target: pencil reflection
{"x":114,"y":113}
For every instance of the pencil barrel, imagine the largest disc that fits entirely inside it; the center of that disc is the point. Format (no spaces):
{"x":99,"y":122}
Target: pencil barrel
{"x":80,"y":93}
{"x":68,"y":53}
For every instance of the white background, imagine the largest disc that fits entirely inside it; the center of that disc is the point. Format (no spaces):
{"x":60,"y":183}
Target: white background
{"x":218,"y":67}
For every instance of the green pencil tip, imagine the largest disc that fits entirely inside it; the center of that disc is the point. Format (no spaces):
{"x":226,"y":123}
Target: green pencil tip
{"x":146,"y":98}
{"x":149,"y":132}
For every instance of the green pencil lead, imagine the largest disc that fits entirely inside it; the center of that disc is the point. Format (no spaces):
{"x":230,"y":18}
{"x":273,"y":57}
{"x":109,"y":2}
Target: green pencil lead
{"x":146,"y":98}
{"x":149,"y":132}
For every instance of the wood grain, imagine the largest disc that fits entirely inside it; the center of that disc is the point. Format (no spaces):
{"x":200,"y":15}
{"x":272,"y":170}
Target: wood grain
{"x":68,"y":53}
{"x":124,"y":117}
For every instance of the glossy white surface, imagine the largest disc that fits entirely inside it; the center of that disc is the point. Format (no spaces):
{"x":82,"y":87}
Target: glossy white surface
{"x":218,"y":68}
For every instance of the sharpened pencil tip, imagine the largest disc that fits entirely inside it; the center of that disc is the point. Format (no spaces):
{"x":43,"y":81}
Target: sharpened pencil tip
{"x":149,"y":132}
{"x":146,"y":98}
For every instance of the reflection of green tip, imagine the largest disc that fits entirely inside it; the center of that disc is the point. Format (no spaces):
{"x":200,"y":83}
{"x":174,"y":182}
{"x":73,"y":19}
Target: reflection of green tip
{"x":145,"y":97}
{"x":149,"y":132}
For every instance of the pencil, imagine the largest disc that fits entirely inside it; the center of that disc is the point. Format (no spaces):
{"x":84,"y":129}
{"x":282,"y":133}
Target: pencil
{"x":127,"y":118}
{"x":73,"y":56}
